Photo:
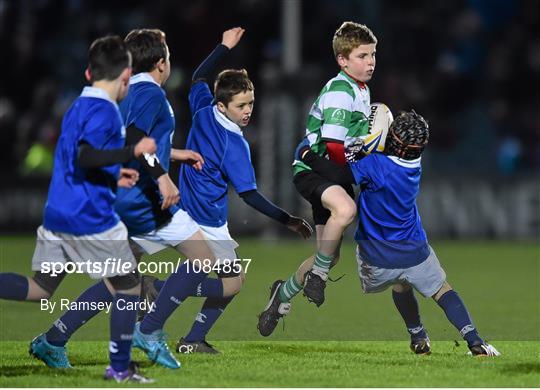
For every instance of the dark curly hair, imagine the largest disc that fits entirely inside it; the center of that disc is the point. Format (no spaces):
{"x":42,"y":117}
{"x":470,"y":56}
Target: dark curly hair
{"x":407,"y":136}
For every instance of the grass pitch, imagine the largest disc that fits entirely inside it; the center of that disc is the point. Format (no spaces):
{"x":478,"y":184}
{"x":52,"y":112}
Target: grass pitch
{"x":293,"y":364}
{"x":353,"y":340}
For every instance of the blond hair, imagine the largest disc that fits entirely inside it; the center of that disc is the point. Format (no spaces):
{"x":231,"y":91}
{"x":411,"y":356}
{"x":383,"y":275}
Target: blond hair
{"x":349,"y":36}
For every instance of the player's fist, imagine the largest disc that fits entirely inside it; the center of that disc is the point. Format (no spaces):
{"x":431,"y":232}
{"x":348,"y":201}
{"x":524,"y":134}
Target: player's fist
{"x":168,"y":190}
{"x":300,"y":226}
{"x":232,"y":37}
{"x":128,"y":177}
{"x":145,"y":145}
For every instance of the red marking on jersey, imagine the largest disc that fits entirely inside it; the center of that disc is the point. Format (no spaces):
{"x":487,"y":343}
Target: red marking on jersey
{"x":336,"y":152}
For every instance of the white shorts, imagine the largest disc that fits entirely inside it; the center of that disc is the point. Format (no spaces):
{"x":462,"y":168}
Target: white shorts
{"x":427,"y":277}
{"x":177,"y":230}
{"x":221,"y":242}
{"x":100,"y":255}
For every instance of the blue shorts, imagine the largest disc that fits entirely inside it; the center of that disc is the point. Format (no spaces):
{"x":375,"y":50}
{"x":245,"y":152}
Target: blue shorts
{"x":427,"y":277}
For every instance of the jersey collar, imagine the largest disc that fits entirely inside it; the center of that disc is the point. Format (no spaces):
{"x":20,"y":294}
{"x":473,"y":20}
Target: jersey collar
{"x":226,"y":122}
{"x":142,"y":77}
{"x":406,"y":163}
{"x":360,"y":84}
{"x":97,"y":93}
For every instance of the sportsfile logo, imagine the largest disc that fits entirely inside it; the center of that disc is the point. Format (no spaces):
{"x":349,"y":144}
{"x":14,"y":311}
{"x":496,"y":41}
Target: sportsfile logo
{"x":113,"y":266}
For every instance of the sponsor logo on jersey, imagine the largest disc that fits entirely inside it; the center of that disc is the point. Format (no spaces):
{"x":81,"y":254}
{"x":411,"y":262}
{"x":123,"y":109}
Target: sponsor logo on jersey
{"x":339,"y":115}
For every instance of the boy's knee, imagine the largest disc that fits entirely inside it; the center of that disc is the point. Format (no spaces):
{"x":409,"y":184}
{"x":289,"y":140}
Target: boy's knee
{"x":443,"y":290}
{"x":126,"y":284}
{"x":43,"y":285}
{"x":401,"y":287}
{"x":345,"y":213}
{"x":232,"y":286}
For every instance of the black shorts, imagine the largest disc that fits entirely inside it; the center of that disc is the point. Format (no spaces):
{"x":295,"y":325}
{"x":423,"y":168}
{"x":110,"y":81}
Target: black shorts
{"x":311,"y":186}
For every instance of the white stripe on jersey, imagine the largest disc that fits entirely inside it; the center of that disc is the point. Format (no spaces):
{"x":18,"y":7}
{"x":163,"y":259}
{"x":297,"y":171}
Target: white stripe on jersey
{"x":333,"y":132}
{"x":337,"y":99}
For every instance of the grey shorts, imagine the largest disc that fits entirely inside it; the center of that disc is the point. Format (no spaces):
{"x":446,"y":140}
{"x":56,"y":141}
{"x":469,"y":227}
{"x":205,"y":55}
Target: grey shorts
{"x":100,"y":255}
{"x":427,"y":277}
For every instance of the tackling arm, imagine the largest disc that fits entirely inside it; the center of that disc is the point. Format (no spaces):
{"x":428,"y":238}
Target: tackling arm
{"x":256,"y":200}
{"x":89,"y":157}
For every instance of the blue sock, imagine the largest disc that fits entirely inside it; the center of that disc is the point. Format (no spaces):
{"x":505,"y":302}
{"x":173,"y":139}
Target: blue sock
{"x":407,"y":306}
{"x":158,"y":284}
{"x":122,"y":324}
{"x":72,"y":320}
{"x":13,"y":286}
{"x":209,"y":287}
{"x":207,"y":317}
{"x":457,"y":314}
{"x":180,"y":284}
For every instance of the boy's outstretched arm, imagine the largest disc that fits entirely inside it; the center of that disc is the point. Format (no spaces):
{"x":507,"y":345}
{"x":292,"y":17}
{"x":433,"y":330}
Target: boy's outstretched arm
{"x":90,"y":157}
{"x":200,"y":95}
{"x":229,"y":40}
{"x":256,"y":200}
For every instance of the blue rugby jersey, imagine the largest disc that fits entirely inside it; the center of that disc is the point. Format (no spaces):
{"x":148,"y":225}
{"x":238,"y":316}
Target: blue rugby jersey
{"x":81,"y":201}
{"x":389,"y":232}
{"x":227,"y":160}
{"x":146,"y":106}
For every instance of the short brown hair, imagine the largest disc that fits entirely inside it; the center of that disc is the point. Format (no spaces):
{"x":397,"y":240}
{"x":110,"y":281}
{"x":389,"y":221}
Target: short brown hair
{"x":107,"y":58}
{"x":349,"y":36}
{"x":231,"y":82}
{"x":147,"y":46}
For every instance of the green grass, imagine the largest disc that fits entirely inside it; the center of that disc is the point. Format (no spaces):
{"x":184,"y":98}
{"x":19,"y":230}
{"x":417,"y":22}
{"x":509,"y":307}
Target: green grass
{"x":294,"y":364}
{"x":352,"y":340}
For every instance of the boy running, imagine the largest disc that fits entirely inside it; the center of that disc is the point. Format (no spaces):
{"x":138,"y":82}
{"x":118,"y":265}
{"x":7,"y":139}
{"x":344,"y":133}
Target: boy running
{"x":338,"y":117}
{"x":80,"y":224}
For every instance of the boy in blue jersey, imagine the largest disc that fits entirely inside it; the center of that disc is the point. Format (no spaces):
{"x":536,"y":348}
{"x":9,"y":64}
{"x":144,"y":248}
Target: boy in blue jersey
{"x":393,"y":249}
{"x":217,"y":134}
{"x":153,"y":220}
{"x":80,"y":225}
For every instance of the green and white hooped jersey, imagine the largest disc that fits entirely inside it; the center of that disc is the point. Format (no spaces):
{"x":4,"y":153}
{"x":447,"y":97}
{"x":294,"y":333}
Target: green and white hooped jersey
{"x":340,"y":114}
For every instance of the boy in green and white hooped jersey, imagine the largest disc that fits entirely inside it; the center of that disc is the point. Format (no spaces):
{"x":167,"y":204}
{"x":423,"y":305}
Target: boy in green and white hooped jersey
{"x":338,"y":116}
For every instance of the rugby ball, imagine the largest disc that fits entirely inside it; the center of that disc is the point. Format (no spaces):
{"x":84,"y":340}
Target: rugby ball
{"x":379,"y":120}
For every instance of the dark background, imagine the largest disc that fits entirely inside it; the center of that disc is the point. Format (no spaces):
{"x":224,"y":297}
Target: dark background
{"x":471,"y":68}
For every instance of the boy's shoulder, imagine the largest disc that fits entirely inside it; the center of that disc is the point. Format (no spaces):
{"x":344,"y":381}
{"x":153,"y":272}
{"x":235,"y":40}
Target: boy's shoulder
{"x":146,"y":91}
{"x":344,"y":83}
{"x":339,"y":83}
{"x":96,"y":109}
